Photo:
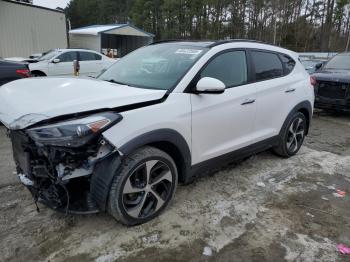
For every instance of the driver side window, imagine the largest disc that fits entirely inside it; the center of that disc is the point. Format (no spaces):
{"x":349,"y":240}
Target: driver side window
{"x":229,"y":67}
{"x":68,"y":57}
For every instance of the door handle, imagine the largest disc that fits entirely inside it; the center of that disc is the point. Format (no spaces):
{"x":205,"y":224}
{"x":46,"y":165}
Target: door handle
{"x":290,"y":90}
{"x":248,"y":101}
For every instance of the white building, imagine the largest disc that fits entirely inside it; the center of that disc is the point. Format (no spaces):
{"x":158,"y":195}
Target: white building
{"x":26,"y":29}
{"x":121,"y":38}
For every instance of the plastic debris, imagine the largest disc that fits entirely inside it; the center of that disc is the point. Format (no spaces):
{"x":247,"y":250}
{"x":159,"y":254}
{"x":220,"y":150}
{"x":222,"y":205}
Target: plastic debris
{"x":207,"y":252}
{"x":339,"y":193}
{"x":343,"y":249}
{"x":151,"y":239}
{"x":324,"y":198}
{"x":260,"y":184}
{"x":310,"y":215}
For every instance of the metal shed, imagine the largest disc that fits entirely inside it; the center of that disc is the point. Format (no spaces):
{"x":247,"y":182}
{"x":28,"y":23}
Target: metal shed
{"x":122,"y":38}
{"x":26,"y":29}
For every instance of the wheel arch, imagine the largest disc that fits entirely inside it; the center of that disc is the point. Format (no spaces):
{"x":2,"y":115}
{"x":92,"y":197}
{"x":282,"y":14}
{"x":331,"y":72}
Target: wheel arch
{"x":167,"y":140}
{"x":38,"y":72}
{"x":305,"y":108}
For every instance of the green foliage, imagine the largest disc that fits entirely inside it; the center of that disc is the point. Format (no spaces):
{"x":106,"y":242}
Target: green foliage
{"x":301,"y":25}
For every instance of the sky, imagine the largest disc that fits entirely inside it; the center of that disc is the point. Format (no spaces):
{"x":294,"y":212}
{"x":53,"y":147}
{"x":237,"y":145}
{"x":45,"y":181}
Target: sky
{"x":51,"y":3}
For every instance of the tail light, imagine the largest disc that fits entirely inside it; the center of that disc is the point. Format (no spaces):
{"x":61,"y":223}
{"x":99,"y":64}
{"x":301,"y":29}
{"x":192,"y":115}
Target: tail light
{"x":23,"y":72}
{"x":313,"y":81}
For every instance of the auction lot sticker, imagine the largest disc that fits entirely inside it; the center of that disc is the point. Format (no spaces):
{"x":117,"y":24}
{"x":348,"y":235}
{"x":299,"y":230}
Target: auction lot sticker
{"x":188,"y":51}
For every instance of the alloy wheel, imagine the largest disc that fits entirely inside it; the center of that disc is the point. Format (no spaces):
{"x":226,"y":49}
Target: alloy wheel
{"x":147,"y":189}
{"x":295,"y":134}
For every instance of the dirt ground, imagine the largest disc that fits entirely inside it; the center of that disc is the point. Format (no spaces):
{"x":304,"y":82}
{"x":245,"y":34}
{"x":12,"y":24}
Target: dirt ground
{"x":262,"y":209}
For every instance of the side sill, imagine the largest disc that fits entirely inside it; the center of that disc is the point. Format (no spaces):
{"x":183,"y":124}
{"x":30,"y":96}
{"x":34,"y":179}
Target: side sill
{"x":216,"y":163}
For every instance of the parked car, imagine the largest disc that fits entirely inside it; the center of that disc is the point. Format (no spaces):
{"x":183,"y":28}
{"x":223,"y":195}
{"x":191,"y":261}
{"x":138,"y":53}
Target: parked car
{"x":164,"y":114}
{"x":333,"y":84}
{"x":312,"y":65}
{"x":59,"y":62}
{"x":10,"y":71}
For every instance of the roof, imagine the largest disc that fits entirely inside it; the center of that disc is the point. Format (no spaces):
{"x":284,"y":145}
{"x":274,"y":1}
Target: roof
{"x":34,"y":6}
{"x":185,"y":42}
{"x":207,"y":43}
{"x":98,"y":29}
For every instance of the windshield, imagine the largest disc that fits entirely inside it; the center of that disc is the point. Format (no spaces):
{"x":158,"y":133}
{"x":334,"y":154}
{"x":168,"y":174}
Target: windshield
{"x":341,"y":61}
{"x":49,"y":55}
{"x":155,"y":67}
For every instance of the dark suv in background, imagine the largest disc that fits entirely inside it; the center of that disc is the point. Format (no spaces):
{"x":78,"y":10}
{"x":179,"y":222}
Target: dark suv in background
{"x":332,"y":89}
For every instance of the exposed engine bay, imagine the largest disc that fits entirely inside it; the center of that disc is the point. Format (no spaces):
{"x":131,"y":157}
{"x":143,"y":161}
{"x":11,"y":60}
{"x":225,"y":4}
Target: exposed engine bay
{"x":58,"y":173}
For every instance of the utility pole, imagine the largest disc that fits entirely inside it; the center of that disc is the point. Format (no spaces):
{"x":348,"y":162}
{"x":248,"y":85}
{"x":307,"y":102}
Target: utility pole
{"x":275,"y":32}
{"x":348,"y":41}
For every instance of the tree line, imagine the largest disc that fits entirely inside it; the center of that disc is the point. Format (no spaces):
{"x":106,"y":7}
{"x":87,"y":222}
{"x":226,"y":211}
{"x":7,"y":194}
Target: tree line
{"x":300,"y":25}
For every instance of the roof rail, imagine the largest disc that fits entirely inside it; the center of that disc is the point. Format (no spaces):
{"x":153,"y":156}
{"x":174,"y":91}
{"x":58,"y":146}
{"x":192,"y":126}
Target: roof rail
{"x":214,"y":43}
{"x":165,"y":41}
{"x":221,"y":42}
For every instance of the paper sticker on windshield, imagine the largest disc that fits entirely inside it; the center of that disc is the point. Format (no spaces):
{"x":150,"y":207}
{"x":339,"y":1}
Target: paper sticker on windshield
{"x":188,"y":51}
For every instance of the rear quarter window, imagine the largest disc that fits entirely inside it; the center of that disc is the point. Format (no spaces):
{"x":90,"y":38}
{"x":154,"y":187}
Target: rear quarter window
{"x":288,"y":63}
{"x":267,"y":65}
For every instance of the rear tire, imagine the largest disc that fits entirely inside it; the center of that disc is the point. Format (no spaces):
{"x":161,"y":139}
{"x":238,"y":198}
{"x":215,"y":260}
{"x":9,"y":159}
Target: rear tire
{"x":143,"y":187}
{"x":292,"y":136}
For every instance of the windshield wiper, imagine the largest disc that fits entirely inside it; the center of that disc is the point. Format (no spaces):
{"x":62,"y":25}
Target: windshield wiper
{"x":115,"y":82}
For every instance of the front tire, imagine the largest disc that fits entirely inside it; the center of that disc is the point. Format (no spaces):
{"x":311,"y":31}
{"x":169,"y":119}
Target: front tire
{"x":143,"y":187}
{"x":292,"y":136}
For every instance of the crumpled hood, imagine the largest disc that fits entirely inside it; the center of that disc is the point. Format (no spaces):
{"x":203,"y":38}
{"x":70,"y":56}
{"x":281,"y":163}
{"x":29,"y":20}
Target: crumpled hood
{"x":333,"y":75}
{"x":28,"y":101}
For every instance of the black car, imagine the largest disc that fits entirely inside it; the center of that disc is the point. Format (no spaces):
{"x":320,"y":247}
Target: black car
{"x":10,"y":71}
{"x":332,"y":89}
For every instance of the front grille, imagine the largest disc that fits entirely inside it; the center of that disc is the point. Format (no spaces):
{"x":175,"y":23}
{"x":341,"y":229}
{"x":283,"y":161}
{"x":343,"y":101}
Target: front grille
{"x":334,"y":90}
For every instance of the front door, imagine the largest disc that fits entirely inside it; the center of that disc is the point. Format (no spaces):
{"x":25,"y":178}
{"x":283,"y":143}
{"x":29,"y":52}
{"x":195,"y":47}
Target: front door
{"x":222,"y":123}
{"x":65,"y":65}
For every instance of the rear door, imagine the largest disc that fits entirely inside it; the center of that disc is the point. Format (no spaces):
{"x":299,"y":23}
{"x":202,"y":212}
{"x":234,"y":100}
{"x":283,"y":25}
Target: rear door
{"x":64,"y":66}
{"x":222,"y":123}
{"x":276,"y":91}
{"x":90,"y":63}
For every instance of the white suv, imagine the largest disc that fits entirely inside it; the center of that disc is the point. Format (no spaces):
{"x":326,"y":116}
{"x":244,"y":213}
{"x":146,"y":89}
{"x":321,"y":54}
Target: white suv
{"x":164,"y":114}
{"x":59,"y":62}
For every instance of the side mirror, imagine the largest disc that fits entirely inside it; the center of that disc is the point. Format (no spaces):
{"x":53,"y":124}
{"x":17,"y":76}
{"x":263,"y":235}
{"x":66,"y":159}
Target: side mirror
{"x":318,"y":66}
{"x":209,"y":85}
{"x":56,"y":60}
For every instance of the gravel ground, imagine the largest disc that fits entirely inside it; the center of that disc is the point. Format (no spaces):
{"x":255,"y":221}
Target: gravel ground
{"x":262,"y":209}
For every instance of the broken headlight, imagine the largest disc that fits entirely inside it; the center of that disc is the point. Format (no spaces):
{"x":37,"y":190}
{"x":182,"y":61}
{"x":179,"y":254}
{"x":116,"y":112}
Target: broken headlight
{"x":74,"y":133}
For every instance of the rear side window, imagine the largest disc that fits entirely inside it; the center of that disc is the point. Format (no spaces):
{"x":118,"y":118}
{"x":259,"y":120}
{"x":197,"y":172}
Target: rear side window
{"x":97,"y":57}
{"x":288,"y":63}
{"x":229,"y":67}
{"x":68,"y":57}
{"x":267,"y":65}
{"x":87,"y":56}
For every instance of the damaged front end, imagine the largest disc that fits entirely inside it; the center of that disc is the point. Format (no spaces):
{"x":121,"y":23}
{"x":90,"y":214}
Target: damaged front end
{"x":56,"y":161}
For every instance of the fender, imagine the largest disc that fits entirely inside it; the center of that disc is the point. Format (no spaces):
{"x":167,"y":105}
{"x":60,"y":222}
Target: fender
{"x":304,"y":106}
{"x":159,"y":135}
{"x":160,"y":138}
